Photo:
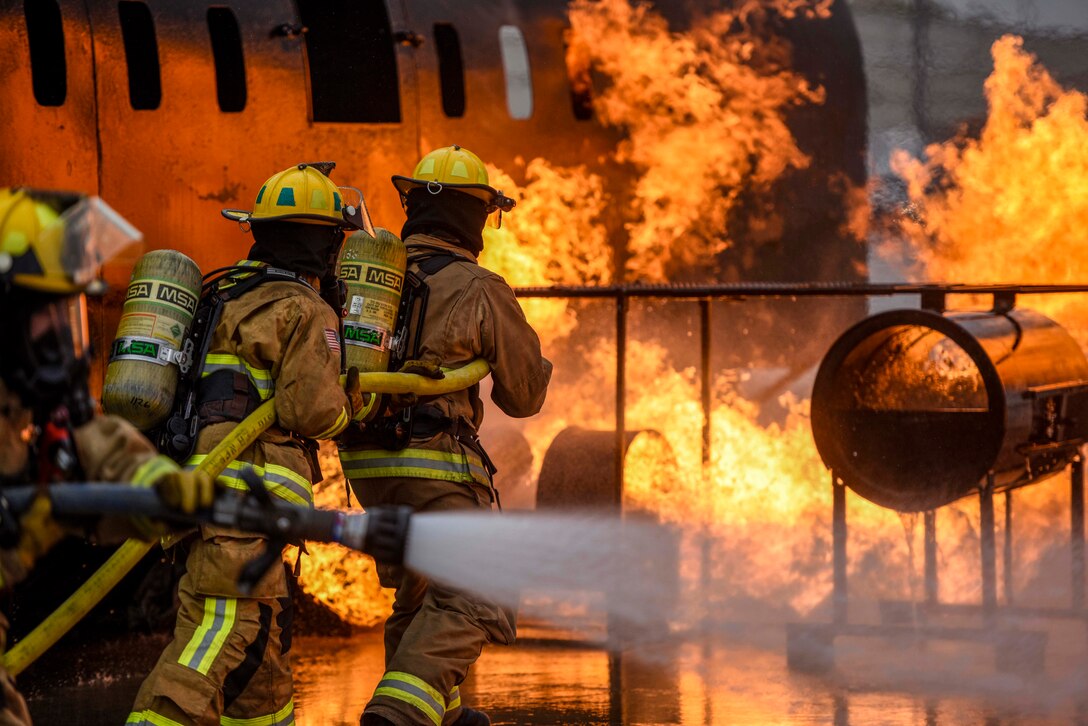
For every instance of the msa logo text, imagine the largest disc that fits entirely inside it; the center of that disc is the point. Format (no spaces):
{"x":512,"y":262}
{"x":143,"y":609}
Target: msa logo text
{"x":385,"y":278}
{"x":177,"y":296}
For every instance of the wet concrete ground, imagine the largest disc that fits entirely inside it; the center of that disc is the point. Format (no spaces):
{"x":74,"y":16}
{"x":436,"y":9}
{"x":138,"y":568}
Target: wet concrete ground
{"x":737,"y":677}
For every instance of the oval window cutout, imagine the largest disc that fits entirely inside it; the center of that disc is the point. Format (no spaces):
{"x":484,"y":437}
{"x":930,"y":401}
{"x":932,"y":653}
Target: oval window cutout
{"x":515,"y":66}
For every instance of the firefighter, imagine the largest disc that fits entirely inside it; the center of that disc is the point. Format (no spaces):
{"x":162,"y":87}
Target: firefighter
{"x":51,"y":246}
{"x":426,"y":454}
{"x":229,"y":656}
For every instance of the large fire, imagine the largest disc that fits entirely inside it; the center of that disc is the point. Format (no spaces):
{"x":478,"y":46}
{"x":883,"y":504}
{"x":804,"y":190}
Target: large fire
{"x":702,"y":113}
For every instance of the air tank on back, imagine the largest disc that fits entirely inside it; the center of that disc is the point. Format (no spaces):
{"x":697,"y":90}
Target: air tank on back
{"x":914,"y":409}
{"x":148,"y":351}
{"x":373,"y":269}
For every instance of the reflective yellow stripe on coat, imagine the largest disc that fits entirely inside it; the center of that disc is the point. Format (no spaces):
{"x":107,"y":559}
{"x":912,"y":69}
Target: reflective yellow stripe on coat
{"x":260,"y":378}
{"x":414,"y":463}
{"x":278,"y":480}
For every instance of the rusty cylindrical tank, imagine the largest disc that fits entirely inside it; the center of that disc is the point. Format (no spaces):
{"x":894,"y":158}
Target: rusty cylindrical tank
{"x":912,"y":409}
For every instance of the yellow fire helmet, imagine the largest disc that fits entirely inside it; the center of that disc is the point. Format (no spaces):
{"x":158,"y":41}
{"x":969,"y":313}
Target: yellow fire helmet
{"x":56,"y":242}
{"x":454,"y":167}
{"x":304,"y":193}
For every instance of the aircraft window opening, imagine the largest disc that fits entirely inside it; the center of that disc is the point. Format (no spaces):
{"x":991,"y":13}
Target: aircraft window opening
{"x":451,"y":70}
{"x":351,"y":61}
{"x":515,"y":66}
{"x":581,"y":84}
{"x":230,"y":65}
{"x":141,"y":55}
{"x":48,"y":68}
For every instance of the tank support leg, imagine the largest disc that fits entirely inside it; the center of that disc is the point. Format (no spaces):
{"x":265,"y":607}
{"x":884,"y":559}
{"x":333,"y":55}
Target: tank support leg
{"x":933,"y":595}
{"x":1006,"y":561}
{"x":988,"y":546}
{"x":706,"y":576}
{"x":621,"y":395}
{"x":838,"y":537}
{"x":1076,"y":543}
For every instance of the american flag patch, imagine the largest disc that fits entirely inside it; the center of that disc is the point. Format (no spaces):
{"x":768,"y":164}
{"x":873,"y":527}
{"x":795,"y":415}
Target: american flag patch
{"x":332,"y":338}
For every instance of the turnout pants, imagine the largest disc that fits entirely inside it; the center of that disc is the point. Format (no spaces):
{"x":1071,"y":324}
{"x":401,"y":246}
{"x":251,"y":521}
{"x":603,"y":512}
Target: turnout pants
{"x":435,"y":633}
{"x":13,"y":711}
{"x":228,"y":662}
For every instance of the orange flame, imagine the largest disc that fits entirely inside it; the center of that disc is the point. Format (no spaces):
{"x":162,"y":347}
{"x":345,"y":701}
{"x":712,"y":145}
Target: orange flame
{"x":703,"y":117}
{"x":1011,"y":205}
{"x":1008,"y":206}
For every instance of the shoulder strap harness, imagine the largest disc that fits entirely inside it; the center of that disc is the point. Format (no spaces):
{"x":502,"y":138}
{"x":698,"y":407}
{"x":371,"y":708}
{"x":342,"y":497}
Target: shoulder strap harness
{"x":221,"y":395}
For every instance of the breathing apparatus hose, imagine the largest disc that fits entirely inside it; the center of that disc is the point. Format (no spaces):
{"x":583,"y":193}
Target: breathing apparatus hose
{"x":91,"y":592}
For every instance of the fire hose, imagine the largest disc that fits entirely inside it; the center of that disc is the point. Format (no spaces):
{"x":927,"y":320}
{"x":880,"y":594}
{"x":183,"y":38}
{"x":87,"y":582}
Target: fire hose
{"x":91,"y":592}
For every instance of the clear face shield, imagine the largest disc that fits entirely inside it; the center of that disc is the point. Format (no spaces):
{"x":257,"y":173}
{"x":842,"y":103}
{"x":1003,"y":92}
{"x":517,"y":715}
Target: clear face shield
{"x":59,"y":330}
{"x":49,"y":362}
{"x":91,"y":233}
{"x":355,"y":211}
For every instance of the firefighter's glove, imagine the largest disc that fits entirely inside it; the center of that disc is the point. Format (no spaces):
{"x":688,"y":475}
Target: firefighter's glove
{"x":424,"y":368}
{"x":362,"y":404}
{"x":38,"y":531}
{"x":186,"y":490}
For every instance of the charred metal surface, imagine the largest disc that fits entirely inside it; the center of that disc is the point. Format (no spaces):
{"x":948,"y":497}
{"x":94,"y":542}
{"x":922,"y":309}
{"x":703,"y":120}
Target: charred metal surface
{"x":912,"y":409}
{"x":171,"y":168}
{"x":206,"y":117}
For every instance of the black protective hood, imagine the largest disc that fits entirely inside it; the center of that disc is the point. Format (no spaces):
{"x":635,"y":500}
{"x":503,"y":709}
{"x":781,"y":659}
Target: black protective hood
{"x":308,"y":249}
{"x":448,"y":214}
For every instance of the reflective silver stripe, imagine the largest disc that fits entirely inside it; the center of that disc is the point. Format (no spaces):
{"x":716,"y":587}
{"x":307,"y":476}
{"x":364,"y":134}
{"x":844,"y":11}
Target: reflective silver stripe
{"x":420,"y":463}
{"x":412,"y":462}
{"x":208,"y":639}
{"x":284,"y":717}
{"x":263,"y":383}
{"x":236,"y":468}
{"x":392,"y":684}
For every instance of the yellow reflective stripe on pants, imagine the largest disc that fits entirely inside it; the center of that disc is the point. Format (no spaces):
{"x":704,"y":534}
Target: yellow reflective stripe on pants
{"x":414,"y":691}
{"x":209,"y":637}
{"x":261,"y":379}
{"x":342,"y":422}
{"x":455,"y":698}
{"x":149,"y":718}
{"x":279,"y":480}
{"x":284,"y":717}
{"x":417,"y":463}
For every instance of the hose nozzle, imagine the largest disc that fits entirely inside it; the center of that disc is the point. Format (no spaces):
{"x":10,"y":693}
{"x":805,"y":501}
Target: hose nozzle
{"x":387,"y":534}
{"x":381,"y":533}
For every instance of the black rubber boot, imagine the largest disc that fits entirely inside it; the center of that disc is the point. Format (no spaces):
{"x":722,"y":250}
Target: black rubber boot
{"x":471,"y":717}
